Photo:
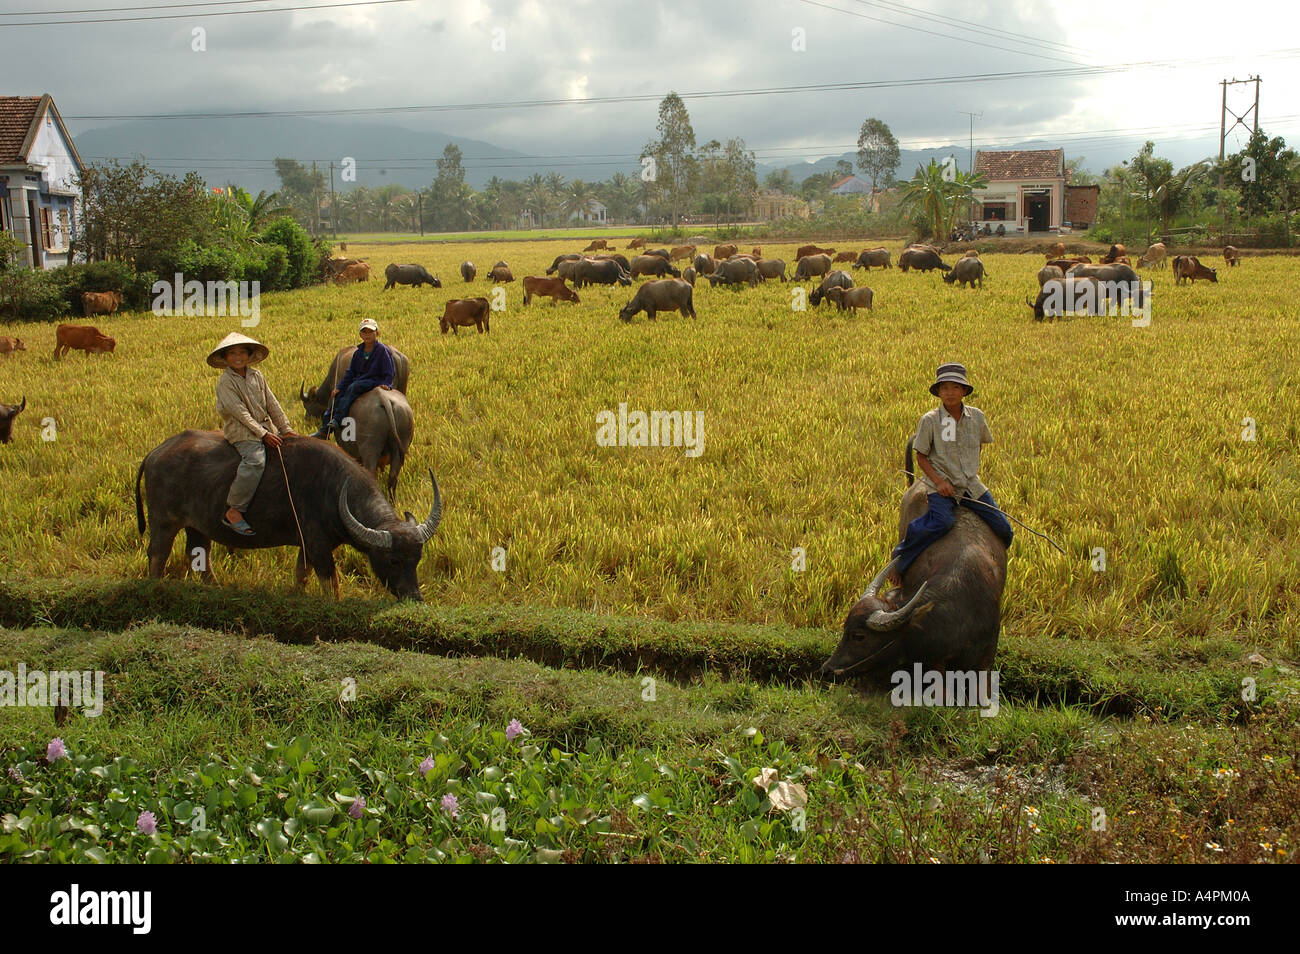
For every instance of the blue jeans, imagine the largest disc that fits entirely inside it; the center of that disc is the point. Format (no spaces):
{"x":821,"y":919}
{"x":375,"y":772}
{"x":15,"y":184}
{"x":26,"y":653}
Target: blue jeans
{"x":344,"y":400}
{"x":938,"y":520}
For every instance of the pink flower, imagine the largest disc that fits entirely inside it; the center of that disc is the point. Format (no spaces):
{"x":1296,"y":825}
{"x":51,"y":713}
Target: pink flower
{"x":426,"y":766}
{"x":55,"y":750}
{"x":358,"y":807}
{"x":449,"y":805}
{"x":514,"y":730}
{"x":146,"y":824}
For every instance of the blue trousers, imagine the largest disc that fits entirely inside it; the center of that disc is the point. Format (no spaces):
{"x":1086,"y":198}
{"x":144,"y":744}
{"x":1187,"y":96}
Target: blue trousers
{"x":938,"y":520}
{"x":343,"y":401}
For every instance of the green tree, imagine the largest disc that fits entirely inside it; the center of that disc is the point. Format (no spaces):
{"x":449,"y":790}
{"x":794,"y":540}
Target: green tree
{"x":1262,"y":174}
{"x":1149,"y":173}
{"x":578,"y":199}
{"x":135,"y":214}
{"x":620,"y":195}
{"x":451,"y":197}
{"x":780,"y":180}
{"x":935,"y":200}
{"x":674,"y":154}
{"x":878,"y":153}
{"x":1179,"y":192}
{"x":300,"y":190}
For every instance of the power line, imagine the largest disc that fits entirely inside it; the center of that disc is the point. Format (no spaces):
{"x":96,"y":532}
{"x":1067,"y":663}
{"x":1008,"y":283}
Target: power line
{"x":208,"y":13}
{"x":159,"y":6}
{"x":979,"y":27}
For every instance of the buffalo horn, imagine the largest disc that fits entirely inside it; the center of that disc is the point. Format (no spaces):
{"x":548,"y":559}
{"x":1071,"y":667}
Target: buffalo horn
{"x":430,"y":526}
{"x":374,"y":539}
{"x":883,"y":621}
{"x":302,"y":392}
{"x":22,"y":407}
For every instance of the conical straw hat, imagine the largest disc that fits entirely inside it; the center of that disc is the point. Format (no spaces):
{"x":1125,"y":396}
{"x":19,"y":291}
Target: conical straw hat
{"x":218,"y":359}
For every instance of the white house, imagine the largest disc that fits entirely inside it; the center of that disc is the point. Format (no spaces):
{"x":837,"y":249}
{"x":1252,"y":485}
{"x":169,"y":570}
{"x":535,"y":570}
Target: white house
{"x":1025,"y":191}
{"x":39,"y":167}
{"x":595,"y":213}
{"x":850,"y":185}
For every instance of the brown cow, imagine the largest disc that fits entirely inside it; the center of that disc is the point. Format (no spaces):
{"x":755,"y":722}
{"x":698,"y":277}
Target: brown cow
{"x":1231,"y":255}
{"x":1190,"y":267}
{"x":7,"y":414}
{"x":85,"y":338}
{"x":554,"y":287}
{"x":356,"y":272}
{"x":9,"y":345}
{"x":846,"y":257}
{"x":1116,"y":252}
{"x":466,"y":311}
{"x":1056,"y":251}
{"x":757,"y":253}
{"x":636,"y":243}
{"x":595,"y":244}
{"x":723,"y":252}
{"x":500,"y":273}
{"x":1155,"y":255}
{"x":681,"y":251}
{"x":100,"y":303}
{"x":812,"y":250}
{"x":336,"y":265}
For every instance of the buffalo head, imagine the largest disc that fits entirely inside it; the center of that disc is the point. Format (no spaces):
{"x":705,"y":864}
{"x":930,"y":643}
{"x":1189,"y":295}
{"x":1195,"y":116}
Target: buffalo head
{"x":394,"y":552}
{"x":873,"y":636}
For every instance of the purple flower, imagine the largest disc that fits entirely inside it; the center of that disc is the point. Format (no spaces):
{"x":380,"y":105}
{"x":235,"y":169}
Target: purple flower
{"x":55,"y":750}
{"x":449,"y":805}
{"x":514,"y":730}
{"x":146,"y":824}
{"x":426,"y":766}
{"x":358,"y":807}
{"x":15,"y":773}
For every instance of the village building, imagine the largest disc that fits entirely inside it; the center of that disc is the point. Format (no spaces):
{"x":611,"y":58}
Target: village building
{"x":39,"y":172}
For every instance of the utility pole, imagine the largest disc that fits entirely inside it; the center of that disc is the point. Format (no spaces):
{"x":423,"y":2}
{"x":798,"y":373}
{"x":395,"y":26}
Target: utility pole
{"x":420,"y":199}
{"x":315,"y":197}
{"x":970,"y":159}
{"x":333,"y":204}
{"x":1224,"y":129}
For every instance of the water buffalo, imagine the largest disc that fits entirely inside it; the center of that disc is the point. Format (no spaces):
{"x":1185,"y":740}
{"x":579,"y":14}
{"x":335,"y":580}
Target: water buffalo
{"x":653,"y":265}
{"x":334,"y":501}
{"x":810,"y":266}
{"x":501,"y":273}
{"x":416,"y":275}
{"x":7,"y":414}
{"x":1070,"y":295}
{"x":1049,"y":273}
{"x":661,"y":252}
{"x":568,"y":269}
{"x":468,"y":271}
{"x":688,"y":274}
{"x":734,"y":271}
{"x":614,"y":257}
{"x":669,"y":294}
{"x":705,"y":264}
{"x":966,"y":272}
{"x":836,"y":279}
{"x":555,"y":265}
{"x":588,"y":272}
{"x":380,"y":433}
{"x":960,"y":578}
{"x":771,"y":268}
{"x":317,"y":401}
{"x":1120,"y":279}
{"x":877,"y":257}
{"x":922,"y":258}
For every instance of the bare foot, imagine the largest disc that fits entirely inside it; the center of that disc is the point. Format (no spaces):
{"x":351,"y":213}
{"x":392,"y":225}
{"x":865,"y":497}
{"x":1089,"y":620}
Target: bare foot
{"x":233,"y":515}
{"x":894,"y":579}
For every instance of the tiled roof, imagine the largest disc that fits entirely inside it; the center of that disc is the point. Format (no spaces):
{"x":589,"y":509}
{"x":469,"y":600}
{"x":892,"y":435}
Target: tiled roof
{"x":1021,"y":164}
{"x":17,"y":113}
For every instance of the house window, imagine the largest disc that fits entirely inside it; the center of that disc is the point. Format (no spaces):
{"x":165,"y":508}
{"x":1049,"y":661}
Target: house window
{"x":65,"y":228}
{"x":995,"y":211}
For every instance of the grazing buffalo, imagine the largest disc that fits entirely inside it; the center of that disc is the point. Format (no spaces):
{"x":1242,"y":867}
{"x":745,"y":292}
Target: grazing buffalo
{"x":1056,"y":251}
{"x":1190,"y":267}
{"x":465,"y":312}
{"x":636,"y":243}
{"x":1115,"y":253}
{"x":734,"y":271}
{"x":922,"y":258}
{"x":595,"y":244}
{"x":853,"y":298}
{"x":1119,"y":278}
{"x":1155,"y":255}
{"x":1072,"y":295}
{"x":560,"y":259}
{"x":1231,"y":255}
{"x":9,"y":345}
{"x":100,"y":303}
{"x":810,"y":266}
{"x":416,"y":275}
{"x":655,"y":265}
{"x":967,"y":271}
{"x":877,"y":257}
{"x":835,"y":279}
{"x":812,"y":250}
{"x":7,"y":414}
{"x":615,"y":257}
{"x":1050,"y":273}
{"x":705,"y":264}
{"x":501,"y":273}
{"x":317,"y":401}
{"x":771,"y":268}
{"x":589,"y":272}
{"x":670,"y":294}
{"x":947,"y":614}
{"x":724,"y":251}
{"x":553,"y":287}
{"x":468,"y":271}
{"x":681,"y":251}
{"x":688,"y":275}
{"x":85,"y":338}
{"x":333,"y":501}
{"x":568,"y":269}
{"x":355,"y":272}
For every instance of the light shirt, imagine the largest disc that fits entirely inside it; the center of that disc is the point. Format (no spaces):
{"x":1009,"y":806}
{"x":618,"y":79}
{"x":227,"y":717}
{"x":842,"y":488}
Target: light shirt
{"x":953,"y":448}
{"x":247,"y":407}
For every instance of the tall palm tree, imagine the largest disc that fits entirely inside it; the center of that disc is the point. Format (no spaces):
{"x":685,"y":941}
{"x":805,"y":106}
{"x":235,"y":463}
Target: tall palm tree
{"x":357,"y":204}
{"x":579,"y":199}
{"x":260,"y":210}
{"x":936,"y":199}
{"x":1173,"y":194}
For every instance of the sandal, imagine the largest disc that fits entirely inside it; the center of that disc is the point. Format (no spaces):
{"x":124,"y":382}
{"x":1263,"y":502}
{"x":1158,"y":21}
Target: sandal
{"x":242,"y":528}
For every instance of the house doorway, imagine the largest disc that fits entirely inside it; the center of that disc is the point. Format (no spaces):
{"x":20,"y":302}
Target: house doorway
{"x":1038,"y":209}
{"x":34,"y":226}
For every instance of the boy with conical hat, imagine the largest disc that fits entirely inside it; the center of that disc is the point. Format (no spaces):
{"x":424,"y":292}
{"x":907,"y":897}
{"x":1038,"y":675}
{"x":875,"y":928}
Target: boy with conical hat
{"x":251,"y":418}
{"x":947,"y":445}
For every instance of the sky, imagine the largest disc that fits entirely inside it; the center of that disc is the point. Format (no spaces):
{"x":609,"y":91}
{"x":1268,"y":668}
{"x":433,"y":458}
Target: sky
{"x":374,"y":59}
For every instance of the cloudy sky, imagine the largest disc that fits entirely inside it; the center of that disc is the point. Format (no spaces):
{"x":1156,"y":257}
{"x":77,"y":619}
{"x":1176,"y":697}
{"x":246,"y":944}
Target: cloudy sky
{"x":1138,"y":71}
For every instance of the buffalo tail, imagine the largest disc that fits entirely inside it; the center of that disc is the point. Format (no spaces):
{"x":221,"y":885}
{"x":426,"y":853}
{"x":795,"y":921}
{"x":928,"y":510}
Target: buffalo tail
{"x":139,"y":507}
{"x":395,"y":453}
